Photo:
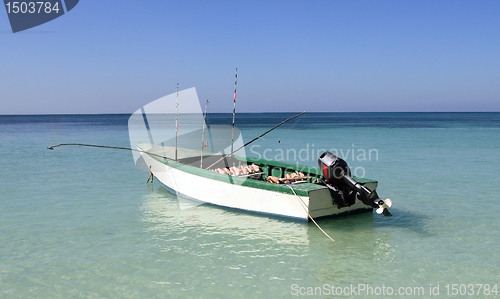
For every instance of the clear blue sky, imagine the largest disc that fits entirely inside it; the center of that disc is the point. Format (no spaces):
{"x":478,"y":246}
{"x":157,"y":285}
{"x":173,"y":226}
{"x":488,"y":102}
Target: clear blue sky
{"x":116,"y":56}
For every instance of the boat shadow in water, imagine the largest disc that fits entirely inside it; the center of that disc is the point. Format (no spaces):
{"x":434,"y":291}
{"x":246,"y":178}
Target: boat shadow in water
{"x":357,"y":245}
{"x":404,"y":219}
{"x":361,"y":240}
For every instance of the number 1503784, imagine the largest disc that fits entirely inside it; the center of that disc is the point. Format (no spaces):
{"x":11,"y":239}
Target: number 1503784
{"x":471,"y":289}
{"x":32,"y":7}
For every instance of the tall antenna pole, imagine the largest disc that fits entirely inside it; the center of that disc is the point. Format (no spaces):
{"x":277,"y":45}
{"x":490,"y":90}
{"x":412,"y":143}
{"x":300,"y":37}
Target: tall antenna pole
{"x":234,"y":108}
{"x":203,"y":135}
{"x":176,"y":120}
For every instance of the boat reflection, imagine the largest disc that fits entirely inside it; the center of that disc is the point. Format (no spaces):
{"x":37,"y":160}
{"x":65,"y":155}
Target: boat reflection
{"x":167,"y":211}
{"x":288,"y":251}
{"x":354,"y":235}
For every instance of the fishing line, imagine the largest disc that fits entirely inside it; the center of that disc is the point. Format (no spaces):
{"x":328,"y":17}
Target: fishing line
{"x":260,"y":136}
{"x":279,"y":139}
{"x":112,"y":147}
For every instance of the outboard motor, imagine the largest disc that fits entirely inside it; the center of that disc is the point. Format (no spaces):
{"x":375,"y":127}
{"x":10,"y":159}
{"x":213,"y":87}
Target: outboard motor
{"x":338,"y":178}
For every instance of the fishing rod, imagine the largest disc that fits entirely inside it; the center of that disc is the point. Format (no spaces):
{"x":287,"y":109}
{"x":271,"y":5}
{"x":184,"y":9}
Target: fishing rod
{"x":203,"y":135}
{"x":232,"y":152}
{"x":165,"y":157}
{"x":176,"y":117}
{"x":113,"y":147}
{"x":234,"y":107}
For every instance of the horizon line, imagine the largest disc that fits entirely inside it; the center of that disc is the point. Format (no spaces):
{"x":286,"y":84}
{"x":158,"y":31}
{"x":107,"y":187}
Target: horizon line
{"x":122,"y":113}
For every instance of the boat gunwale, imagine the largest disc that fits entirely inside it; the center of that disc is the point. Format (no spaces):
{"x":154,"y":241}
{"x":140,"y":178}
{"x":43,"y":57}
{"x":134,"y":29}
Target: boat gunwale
{"x":230,"y":179}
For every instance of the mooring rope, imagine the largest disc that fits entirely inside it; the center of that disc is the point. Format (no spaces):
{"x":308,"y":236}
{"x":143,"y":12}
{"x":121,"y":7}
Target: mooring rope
{"x":305,"y":209}
{"x":151,"y":176}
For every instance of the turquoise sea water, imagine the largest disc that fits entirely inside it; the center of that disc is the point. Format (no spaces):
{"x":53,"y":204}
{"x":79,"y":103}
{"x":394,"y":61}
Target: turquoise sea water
{"x":82,"y":222}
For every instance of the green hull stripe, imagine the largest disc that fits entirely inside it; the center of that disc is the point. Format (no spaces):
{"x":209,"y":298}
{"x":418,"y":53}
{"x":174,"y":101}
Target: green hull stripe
{"x":301,"y":189}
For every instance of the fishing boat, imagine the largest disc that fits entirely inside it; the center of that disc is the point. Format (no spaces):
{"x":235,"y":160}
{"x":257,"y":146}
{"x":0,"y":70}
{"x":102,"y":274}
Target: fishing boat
{"x":224,"y":176}
{"x":236,"y":181}
{"x":272,"y":188}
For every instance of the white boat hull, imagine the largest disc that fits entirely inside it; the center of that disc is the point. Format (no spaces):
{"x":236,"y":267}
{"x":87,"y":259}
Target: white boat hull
{"x":227,"y":194}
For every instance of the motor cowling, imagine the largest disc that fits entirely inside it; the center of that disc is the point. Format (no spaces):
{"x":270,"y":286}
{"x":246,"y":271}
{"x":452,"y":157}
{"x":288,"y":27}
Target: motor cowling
{"x":333,"y":168}
{"x":338,"y":178}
